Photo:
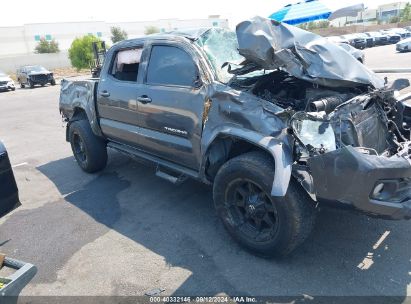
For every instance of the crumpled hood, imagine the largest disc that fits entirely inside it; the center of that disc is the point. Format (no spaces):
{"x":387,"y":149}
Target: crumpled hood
{"x":39,"y":73}
{"x":271,"y":45}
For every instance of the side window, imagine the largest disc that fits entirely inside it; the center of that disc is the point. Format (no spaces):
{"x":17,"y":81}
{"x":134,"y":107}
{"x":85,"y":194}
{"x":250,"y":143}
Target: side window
{"x":170,"y":65}
{"x":126,"y":63}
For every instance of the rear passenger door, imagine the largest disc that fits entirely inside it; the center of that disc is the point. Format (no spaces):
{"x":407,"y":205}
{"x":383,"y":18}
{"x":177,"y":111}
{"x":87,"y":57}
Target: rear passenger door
{"x":171,"y":103}
{"x":117,"y":94}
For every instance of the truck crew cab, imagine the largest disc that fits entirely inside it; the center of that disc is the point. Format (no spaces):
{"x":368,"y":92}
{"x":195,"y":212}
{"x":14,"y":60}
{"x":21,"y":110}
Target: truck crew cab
{"x":275,"y":125}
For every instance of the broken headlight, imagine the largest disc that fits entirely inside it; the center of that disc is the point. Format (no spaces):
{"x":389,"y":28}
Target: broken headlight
{"x":313,"y":132}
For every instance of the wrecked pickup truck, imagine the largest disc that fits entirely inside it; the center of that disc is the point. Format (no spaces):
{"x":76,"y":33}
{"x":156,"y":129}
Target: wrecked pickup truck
{"x":278,"y":119}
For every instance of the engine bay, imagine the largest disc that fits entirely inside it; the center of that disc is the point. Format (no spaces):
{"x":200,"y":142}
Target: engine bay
{"x":325,"y":119}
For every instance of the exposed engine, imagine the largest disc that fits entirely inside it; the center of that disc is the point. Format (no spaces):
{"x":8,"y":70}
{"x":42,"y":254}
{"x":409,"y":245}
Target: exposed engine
{"x":326,"y":119}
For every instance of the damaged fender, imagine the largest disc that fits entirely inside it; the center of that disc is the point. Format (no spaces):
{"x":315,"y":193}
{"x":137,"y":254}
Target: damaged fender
{"x":80,"y":95}
{"x":279,"y":150}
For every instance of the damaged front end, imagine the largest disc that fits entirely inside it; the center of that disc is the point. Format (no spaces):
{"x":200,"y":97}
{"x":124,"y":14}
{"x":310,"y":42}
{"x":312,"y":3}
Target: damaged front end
{"x":357,"y":155}
{"x":351,"y":145}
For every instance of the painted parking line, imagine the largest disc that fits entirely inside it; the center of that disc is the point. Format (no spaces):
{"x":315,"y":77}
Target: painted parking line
{"x":19,"y":165}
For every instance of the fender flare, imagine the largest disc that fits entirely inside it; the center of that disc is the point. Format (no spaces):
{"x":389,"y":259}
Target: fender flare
{"x":276,"y":147}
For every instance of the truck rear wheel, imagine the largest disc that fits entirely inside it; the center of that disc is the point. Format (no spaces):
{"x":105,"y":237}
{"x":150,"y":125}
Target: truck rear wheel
{"x":268,"y":226}
{"x":89,"y":150}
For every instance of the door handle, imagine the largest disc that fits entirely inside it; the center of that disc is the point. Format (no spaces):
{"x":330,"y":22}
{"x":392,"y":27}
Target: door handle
{"x":105,"y":94}
{"x":144,"y":99}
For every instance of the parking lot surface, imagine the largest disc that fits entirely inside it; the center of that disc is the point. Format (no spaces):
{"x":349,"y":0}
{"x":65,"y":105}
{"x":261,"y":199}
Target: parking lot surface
{"x":126,"y":232}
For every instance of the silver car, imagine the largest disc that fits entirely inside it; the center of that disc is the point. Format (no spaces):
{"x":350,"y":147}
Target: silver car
{"x":6,"y":83}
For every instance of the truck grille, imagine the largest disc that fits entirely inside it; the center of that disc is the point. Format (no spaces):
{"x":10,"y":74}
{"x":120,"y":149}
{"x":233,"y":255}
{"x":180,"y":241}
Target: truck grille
{"x":39,"y":78}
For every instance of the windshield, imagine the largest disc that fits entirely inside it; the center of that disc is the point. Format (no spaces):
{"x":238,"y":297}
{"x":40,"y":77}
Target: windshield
{"x":220,"y":46}
{"x":35,"y":68}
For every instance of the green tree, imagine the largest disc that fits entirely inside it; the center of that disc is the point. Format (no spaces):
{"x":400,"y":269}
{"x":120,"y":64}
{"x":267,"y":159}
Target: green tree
{"x":314,"y":25}
{"x":151,"y":30}
{"x":394,"y":19}
{"x":117,"y":34}
{"x":406,"y":13}
{"x":45,"y":46}
{"x":81,"y":51}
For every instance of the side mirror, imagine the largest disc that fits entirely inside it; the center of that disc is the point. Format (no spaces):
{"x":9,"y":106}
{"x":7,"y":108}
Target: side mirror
{"x":197,"y":82}
{"x":400,"y":84}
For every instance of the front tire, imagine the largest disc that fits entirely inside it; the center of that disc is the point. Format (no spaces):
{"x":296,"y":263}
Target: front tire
{"x":268,"y":226}
{"x":31,"y":84}
{"x":89,"y":150}
{"x":53,"y":82}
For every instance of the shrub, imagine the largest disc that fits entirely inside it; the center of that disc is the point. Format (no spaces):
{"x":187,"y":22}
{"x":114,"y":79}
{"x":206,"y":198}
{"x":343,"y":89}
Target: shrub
{"x":117,"y":34}
{"x":151,"y":30}
{"x":45,"y":46}
{"x":81,"y":51}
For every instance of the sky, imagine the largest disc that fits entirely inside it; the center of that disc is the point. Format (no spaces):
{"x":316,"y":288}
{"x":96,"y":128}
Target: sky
{"x":29,"y":11}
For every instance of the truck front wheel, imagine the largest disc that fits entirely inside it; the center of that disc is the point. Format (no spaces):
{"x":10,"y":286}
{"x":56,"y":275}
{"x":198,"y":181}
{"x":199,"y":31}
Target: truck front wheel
{"x":89,"y":150}
{"x":268,"y":226}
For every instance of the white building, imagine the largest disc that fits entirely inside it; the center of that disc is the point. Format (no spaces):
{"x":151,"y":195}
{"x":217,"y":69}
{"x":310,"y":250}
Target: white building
{"x":382,"y":13}
{"x":23,"y":39}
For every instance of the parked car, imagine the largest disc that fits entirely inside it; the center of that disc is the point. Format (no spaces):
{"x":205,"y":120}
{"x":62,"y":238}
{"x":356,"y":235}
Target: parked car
{"x":393,"y":38}
{"x":337,"y":39}
{"x":402,"y":32}
{"x":355,"y":41}
{"x":356,"y":53}
{"x":9,"y":196}
{"x":404,"y":45}
{"x":379,"y":38}
{"x":370,"y":41}
{"x":6,"y":83}
{"x":275,"y":139}
{"x":32,"y":75}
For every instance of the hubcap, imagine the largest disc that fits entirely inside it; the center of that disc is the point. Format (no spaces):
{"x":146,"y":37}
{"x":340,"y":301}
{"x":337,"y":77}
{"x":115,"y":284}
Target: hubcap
{"x":251,"y":210}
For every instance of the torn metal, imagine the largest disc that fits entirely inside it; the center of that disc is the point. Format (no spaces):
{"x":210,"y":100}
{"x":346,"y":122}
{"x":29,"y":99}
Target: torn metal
{"x":327,"y":121}
{"x":270,"y":45}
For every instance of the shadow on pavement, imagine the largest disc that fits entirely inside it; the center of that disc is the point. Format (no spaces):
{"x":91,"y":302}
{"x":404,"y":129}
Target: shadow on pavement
{"x":344,"y":256}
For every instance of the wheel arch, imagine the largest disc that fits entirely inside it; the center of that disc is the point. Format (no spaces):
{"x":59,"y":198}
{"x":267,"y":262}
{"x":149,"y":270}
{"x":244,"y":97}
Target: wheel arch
{"x":230,"y":143}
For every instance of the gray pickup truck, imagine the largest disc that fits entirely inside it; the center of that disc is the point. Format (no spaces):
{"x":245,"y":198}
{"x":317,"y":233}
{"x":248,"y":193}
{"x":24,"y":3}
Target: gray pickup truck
{"x":277,"y":119}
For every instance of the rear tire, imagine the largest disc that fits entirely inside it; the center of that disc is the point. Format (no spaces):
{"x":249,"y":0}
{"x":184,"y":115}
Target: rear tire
{"x":268,"y":226}
{"x":89,"y":150}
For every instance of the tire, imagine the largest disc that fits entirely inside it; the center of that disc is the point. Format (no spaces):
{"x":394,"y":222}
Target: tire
{"x":53,"y":82}
{"x":89,"y":150}
{"x":31,"y":84}
{"x":284,"y":223}
{"x":13,"y":89}
{"x":21,"y":84}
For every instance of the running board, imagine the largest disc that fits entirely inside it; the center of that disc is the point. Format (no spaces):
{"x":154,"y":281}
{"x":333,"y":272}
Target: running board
{"x":176,"y":180}
{"x":182,"y":172}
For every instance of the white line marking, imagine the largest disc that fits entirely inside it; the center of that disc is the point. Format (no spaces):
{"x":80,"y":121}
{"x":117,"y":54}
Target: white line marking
{"x":382,"y":238}
{"x":19,"y":165}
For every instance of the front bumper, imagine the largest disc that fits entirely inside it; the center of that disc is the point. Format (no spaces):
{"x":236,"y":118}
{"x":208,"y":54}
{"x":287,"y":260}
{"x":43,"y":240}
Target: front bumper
{"x":7,"y":87}
{"x":349,"y":178}
{"x":41,"y":79}
{"x":402,"y":48}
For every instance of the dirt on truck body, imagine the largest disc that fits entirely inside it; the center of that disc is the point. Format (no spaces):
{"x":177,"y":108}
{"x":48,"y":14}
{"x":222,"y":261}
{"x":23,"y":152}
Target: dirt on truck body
{"x":278,"y":119}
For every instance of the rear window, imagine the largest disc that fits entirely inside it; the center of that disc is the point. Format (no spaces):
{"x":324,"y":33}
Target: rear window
{"x":170,"y":65}
{"x":126,"y":64}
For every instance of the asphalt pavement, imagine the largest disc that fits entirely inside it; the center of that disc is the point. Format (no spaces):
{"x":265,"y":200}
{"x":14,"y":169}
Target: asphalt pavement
{"x":126,"y":232}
